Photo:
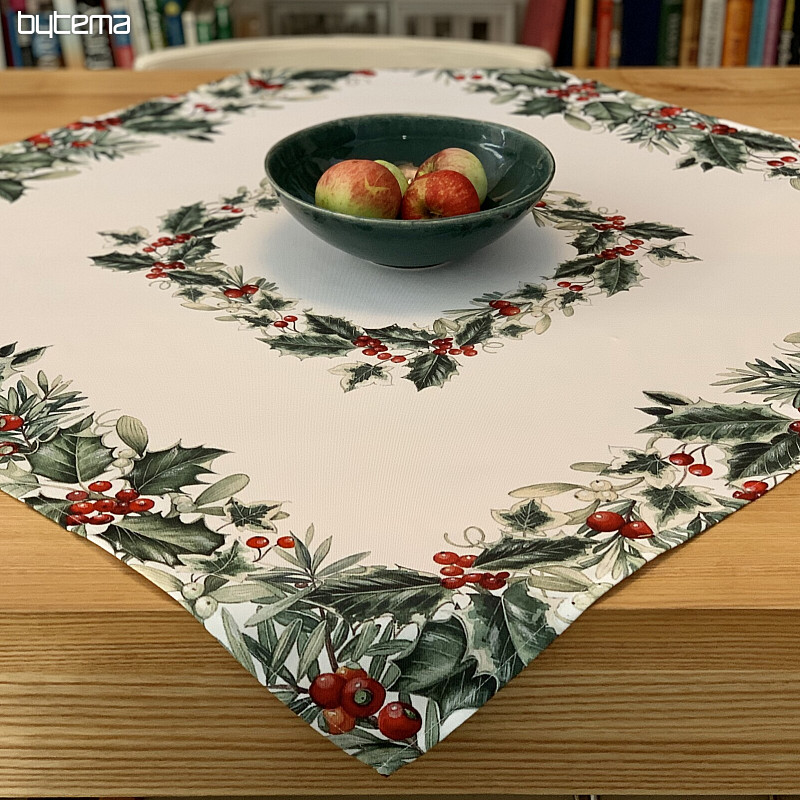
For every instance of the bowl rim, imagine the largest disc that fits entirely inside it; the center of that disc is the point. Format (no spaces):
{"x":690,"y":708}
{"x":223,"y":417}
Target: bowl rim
{"x":408,"y":223}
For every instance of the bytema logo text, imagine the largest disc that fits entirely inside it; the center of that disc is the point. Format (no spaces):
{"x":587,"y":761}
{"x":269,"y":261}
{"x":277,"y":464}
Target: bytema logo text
{"x":79,"y":24}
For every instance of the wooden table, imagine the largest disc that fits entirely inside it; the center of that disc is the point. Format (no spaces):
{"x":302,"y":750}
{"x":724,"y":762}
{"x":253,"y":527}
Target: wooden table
{"x":685,"y":679}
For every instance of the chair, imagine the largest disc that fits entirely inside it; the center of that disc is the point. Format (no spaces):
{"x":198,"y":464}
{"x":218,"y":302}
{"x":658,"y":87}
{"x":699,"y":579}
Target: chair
{"x":344,"y":52}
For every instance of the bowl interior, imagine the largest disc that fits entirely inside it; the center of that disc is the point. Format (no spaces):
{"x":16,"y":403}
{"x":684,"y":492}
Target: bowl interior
{"x":516,"y":164}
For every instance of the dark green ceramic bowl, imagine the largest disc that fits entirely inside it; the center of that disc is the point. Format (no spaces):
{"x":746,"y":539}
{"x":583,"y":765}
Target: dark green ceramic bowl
{"x":519,"y":169}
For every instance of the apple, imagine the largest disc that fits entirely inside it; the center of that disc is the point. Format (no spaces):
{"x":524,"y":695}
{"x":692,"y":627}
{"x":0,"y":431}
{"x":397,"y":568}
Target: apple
{"x":458,"y":160}
{"x":397,"y":172}
{"x":444,"y":193}
{"x":360,"y":188}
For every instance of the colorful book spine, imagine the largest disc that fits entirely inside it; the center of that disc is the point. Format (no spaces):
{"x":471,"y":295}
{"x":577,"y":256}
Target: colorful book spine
{"x":139,"y":35}
{"x":173,"y":27}
{"x":45,"y":46}
{"x":604,"y":25}
{"x":21,"y":43}
{"x":712,"y":32}
{"x":787,"y":35}
{"x":542,"y":26}
{"x":205,"y":27}
{"x":153,"y":18}
{"x":737,"y":33}
{"x":121,"y":43}
{"x":71,"y":46}
{"x":615,"y":48}
{"x":96,"y":44}
{"x":222,"y":19}
{"x":773,"y":33}
{"x":669,"y":33}
{"x":582,"y":43}
{"x":640,"y":20}
{"x":690,"y":33}
{"x":758,"y":33}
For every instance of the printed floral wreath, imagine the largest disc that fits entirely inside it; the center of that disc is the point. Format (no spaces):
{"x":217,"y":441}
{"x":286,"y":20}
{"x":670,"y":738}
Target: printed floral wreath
{"x":609,"y":260}
{"x":702,"y":140}
{"x":197,"y":115}
{"x":411,"y":647}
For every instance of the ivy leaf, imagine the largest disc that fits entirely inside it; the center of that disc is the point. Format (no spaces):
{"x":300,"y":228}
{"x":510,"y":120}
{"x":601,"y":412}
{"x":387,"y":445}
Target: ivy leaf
{"x":612,"y":112}
{"x":476,"y":330}
{"x":335,"y":326}
{"x":17,"y":481}
{"x":437,"y":654}
{"x":584,"y":265}
{"x":359,"y":373}
{"x":123,"y":262}
{"x":255,"y":517}
{"x":55,"y":510}
{"x":71,"y":457}
{"x":401,"y":592}
{"x":399,"y":336}
{"x":721,"y":151}
{"x":526,"y":517}
{"x":654,"y":230}
{"x":11,"y":190}
{"x":515,"y":331}
{"x":669,"y":501}
{"x":731,"y":424}
{"x":156,"y":538}
{"x":430,"y":370}
{"x":638,"y":462}
{"x":511,"y":554}
{"x":231,"y":562}
{"x":618,"y":275}
{"x":172,"y":469}
{"x":705,"y":519}
{"x":542,"y":106}
{"x":764,"y":458}
{"x":309,"y":345}
{"x":462,"y":690}
{"x":185,"y":220}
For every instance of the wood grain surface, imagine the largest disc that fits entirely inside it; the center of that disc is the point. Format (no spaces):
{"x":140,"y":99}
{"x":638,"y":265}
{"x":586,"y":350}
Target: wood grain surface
{"x":686,"y":679}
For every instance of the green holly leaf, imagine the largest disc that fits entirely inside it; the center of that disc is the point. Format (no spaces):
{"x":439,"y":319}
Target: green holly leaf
{"x":476,"y":330}
{"x":712,"y":422}
{"x":175,"y":125}
{"x":123,"y":262}
{"x":584,"y":265}
{"x":17,"y":481}
{"x":129,"y":238}
{"x":761,"y":140}
{"x":544,"y":79}
{"x":764,"y":458}
{"x":216,"y":225}
{"x":310,"y":345}
{"x":669,"y":501}
{"x":618,"y":275}
{"x":668,"y":253}
{"x":611,"y":112}
{"x":150,"y":108}
{"x":28,"y":161}
{"x":196,"y":249}
{"x":358,"y":374}
{"x":577,"y":214}
{"x":590,"y":240}
{"x":530,"y":291}
{"x":438,"y":653}
{"x":431,"y":370}
{"x":172,"y":469}
{"x":233,"y":563}
{"x":514,"y":330}
{"x":155,"y":538}
{"x":639,"y":462}
{"x":461,"y":690}
{"x":401,"y":592}
{"x":654,"y":230}
{"x":335,"y":326}
{"x":320,"y":74}
{"x":267,"y":203}
{"x":705,"y":519}
{"x":269,"y":301}
{"x":255,"y":517}
{"x":185,"y":219}
{"x":11,"y":190}
{"x":55,"y":510}
{"x":669,"y":398}
{"x":71,"y":457}
{"x":398,"y":336}
{"x":541,"y":106}
{"x":513,"y":554}
{"x":717,"y":150}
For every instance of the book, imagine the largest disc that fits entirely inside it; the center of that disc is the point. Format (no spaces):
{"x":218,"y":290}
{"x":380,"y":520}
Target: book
{"x":121,"y":43}
{"x":3,"y":63}
{"x":45,"y":46}
{"x":542,"y":25}
{"x":669,"y":33}
{"x":173,"y":28}
{"x":96,"y":44}
{"x":222,"y":19}
{"x":712,"y":31}
{"x":564,"y":55}
{"x":737,"y":33}
{"x":758,"y":32}
{"x":205,"y":26}
{"x":615,"y":46}
{"x":582,"y":41}
{"x":153,"y":18}
{"x":690,"y":32}
{"x":140,"y":37}
{"x":189,"y":23}
{"x":787,"y":34}
{"x":640,"y":20}
{"x":604,"y":26}
{"x":773,"y":33}
{"x":71,"y":46}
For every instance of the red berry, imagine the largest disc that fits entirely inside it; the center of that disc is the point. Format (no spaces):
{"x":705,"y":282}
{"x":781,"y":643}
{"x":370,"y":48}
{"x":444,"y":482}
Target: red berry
{"x":250,"y":288}
{"x":348,"y":673}
{"x":451,"y":570}
{"x":700,"y":469}
{"x":470,"y":352}
{"x":281,"y":324}
{"x":234,"y":293}
{"x":564,"y":284}
{"x":290,"y":318}
{"x":637,"y":241}
{"x":576,"y":287}
{"x":362,"y":696}
{"x":74,"y":126}
{"x":399,"y":721}
{"x":10,"y":422}
{"x":85,"y":507}
{"x":440,"y":351}
{"x":637,"y":529}
{"x":495,"y":304}
{"x":398,"y":359}
{"x":152,"y":275}
{"x":455,"y":582}
{"x":126,"y":495}
{"x":75,"y":519}
{"x":466,"y":561}
{"x":361,"y":341}
{"x":491,"y":582}
{"x":446,"y":557}
{"x":99,"y":486}
{"x":384,"y":356}
{"x":286,"y":542}
{"x":681,"y":459}
{"x":148,"y":249}
{"x":227,"y":208}
{"x":774,"y":163}
{"x":541,"y":204}
{"x":455,"y":351}
{"x":605,"y":521}
{"x":699,"y":125}
{"x":80,"y":144}
{"x":120,"y":509}
{"x":473,"y":577}
{"x":104,"y":505}
{"x":141,"y":504}
{"x":503,"y":575}
{"x":236,"y":210}
{"x":748,"y":495}
{"x":339,"y":721}
{"x":77,"y":495}
{"x":100,"y":519}
{"x":441,"y":342}
{"x":756,"y":486}
{"x":370,"y":351}
{"x":509,"y":311}
{"x":788,"y":159}
{"x":795,"y":427}
{"x":326,"y":688}
{"x":257,"y":542}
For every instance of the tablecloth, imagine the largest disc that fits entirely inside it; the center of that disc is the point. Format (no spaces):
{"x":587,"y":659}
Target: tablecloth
{"x":385,"y":492}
